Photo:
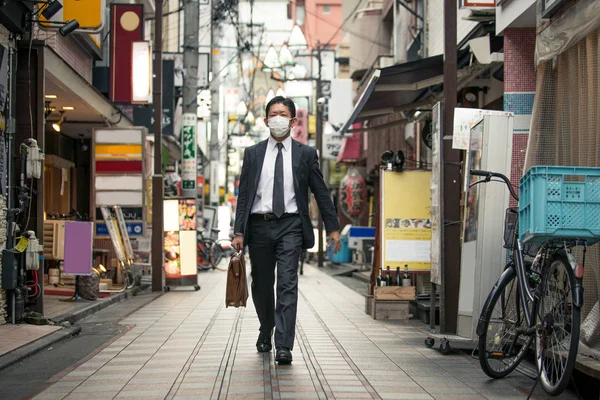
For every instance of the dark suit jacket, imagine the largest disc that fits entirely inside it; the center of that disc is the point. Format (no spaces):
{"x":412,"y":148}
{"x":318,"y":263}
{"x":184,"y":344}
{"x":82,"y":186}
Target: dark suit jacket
{"x":307,"y":174}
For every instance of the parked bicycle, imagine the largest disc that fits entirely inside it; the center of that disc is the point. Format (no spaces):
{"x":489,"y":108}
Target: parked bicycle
{"x":544,"y":305}
{"x":211,"y":252}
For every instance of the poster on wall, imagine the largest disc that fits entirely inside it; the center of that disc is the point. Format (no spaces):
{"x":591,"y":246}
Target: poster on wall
{"x":464,"y":120}
{"x":472,"y":204}
{"x":406,"y":220}
{"x":436,"y":182}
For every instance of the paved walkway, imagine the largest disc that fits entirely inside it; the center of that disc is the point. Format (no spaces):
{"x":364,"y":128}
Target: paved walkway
{"x":187,"y":345}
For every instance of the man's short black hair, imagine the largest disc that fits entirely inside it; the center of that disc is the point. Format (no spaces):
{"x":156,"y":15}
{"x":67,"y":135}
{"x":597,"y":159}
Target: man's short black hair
{"x":285,"y":101}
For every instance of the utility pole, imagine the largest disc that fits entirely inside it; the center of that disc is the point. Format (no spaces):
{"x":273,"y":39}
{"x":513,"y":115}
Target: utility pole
{"x":157,"y":178}
{"x":189,"y":163}
{"x":450,"y":176}
{"x":214,"y":155}
{"x":321,"y":254}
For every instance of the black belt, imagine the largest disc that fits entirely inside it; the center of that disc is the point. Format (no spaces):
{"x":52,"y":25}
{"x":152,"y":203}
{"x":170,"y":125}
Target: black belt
{"x":270,"y":216}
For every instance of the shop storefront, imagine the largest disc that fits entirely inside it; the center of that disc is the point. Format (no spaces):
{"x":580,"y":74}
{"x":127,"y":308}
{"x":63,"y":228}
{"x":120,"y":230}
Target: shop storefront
{"x":73,"y":109}
{"x":564,"y":126}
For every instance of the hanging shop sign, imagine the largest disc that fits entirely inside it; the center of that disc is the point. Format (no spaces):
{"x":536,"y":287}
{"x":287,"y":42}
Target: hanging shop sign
{"x":143,"y":115}
{"x":189,"y":165}
{"x":332,"y":144}
{"x":89,"y":14}
{"x":353,"y":193}
{"x":301,"y":128}
{"x":126,"y":27}
{"x":406,"y":220}
{"x":203,"y":70}
{"x":312,"y":124}
{"x":337,"y":171}
{"x":141,"y":72}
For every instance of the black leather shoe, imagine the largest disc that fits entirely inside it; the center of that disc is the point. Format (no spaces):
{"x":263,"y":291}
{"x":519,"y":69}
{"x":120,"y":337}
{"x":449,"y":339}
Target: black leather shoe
{"x":284,"y":356}
{"x":263,"y":344}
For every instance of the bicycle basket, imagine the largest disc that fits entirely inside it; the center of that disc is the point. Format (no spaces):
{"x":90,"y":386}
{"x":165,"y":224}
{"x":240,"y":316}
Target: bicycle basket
{"x":511,"y":223}
{"x":511,"y":231}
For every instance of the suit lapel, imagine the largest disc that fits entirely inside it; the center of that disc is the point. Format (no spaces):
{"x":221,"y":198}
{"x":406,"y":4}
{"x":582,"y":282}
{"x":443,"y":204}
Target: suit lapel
{"x":261,"y":150}
{"x":296,"y":159}
{"x":296,"y":156}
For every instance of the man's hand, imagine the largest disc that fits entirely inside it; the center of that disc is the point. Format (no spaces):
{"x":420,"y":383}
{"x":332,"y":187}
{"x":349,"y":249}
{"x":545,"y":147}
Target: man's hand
{"x":238,"y":242}
{"x":334,"y":237}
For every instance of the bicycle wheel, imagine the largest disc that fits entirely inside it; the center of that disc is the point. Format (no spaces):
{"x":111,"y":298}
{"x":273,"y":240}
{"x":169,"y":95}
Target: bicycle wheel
{"x":558,"y":339}
{"x":501,"y":347}
{"x":203,"y":259}
{"x":216,"y":255}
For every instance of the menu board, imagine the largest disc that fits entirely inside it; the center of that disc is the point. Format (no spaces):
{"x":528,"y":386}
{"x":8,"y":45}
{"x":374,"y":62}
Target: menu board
{"x":172,"y":255}
{"x":187,"y":214}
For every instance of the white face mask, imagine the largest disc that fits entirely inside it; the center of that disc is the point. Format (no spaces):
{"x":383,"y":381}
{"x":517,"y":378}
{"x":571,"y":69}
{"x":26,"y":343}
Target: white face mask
{"x":279,"y":126}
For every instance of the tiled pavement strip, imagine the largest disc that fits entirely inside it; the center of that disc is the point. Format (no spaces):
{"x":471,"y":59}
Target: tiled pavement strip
{"x":187,"y":345}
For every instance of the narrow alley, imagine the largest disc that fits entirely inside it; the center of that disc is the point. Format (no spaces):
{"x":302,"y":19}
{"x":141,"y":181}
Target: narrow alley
{"x":186,"y":344}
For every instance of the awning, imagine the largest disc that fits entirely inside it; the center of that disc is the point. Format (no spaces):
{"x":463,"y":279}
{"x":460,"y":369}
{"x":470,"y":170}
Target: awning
{"x":69,"y":89}
{"x":419,"y":84}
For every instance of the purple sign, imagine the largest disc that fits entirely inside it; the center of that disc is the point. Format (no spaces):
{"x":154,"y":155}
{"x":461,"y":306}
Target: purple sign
{"x":78,"y":247}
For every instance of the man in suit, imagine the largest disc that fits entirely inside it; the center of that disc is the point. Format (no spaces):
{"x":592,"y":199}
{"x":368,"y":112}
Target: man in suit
{"x":272,"y":220}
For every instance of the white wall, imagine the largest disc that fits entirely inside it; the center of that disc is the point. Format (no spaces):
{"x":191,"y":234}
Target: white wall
{"x":434,"y":27}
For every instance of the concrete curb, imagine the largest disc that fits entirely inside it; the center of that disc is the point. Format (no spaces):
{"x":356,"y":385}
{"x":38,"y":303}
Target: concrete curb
{"x":360,"y":276}
{"x":22,"y":352}
{"x":96,"y":306}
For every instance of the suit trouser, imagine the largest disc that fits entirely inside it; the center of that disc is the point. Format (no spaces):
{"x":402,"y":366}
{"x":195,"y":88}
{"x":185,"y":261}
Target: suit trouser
{"x":276,"y":242}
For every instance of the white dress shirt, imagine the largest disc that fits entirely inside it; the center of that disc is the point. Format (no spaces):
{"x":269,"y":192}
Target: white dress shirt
{"x":263,"y":202}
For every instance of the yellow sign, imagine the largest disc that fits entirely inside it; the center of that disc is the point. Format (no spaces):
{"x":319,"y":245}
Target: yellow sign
{"x":312,"y":124}
{"x":118,"y":151}
{"x":406,"y":220}
{"x":337,"y":171}
{"x":89,"y":14}
{"x":22,"y":245}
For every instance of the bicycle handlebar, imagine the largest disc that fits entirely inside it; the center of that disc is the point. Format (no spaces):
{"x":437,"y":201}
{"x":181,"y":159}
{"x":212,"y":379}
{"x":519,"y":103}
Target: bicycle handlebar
{"x":488,"y":177}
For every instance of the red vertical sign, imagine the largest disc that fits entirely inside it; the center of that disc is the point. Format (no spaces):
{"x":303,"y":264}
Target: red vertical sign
{"x":301,"y":128}
{"x":127,"y":26}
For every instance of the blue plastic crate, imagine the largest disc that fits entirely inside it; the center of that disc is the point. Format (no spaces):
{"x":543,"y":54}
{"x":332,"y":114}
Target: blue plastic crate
{"x":345,"y":254}
{"x":561,"y":202}
{"x":362,"y":231}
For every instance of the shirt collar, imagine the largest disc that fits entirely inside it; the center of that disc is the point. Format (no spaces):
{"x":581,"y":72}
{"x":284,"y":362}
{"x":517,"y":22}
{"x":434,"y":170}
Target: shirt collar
{"x":287,"y":143}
